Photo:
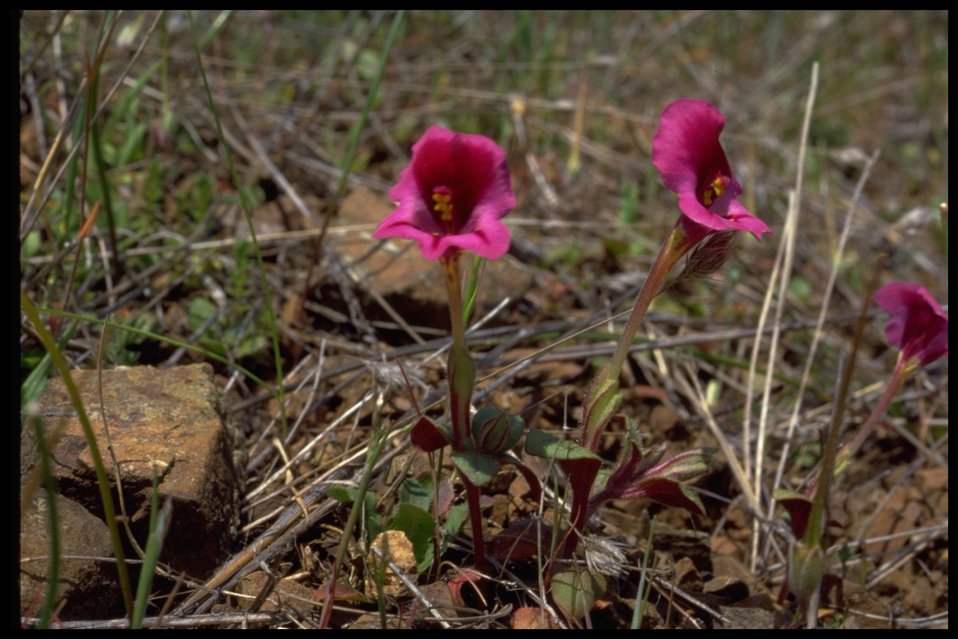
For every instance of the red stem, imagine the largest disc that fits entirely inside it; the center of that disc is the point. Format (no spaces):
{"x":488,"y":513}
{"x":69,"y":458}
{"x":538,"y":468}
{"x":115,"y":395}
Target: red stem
{"x":475,"y":514}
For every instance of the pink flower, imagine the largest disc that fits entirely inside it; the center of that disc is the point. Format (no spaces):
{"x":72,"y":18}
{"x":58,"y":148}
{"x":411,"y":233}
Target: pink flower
{"x":917,"y":326}
{"x":691,"y":161}
{"x":452,"y":195}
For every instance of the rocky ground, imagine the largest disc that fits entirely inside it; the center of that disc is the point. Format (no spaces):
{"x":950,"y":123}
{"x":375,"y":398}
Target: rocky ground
{"x":258,"y":490}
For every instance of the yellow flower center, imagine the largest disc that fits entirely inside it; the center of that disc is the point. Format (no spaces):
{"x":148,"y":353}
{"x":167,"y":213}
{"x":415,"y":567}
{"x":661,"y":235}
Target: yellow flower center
{"x":443,"y":205}
{"x":715,"y":189}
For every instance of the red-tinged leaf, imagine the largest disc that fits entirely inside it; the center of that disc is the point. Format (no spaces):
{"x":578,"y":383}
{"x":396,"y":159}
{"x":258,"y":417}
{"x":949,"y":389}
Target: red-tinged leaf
{"x":427,"y":436}
{"x":465,"y":588}
{"x":667,"y":492}
{"x":799,"y":508}
{"x":495,"y":431}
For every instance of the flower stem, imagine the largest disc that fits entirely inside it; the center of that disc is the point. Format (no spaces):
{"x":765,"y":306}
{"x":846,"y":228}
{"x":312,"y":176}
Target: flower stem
{"x":475,"y":514}
{"x":601,"y":398}
{"x":815,"y":528}
{"x":462,"y":375}
{"x":461,"y":369}
{"x":450,"y":268}
{"x":676,"y":244}
{"x":891,"y":389}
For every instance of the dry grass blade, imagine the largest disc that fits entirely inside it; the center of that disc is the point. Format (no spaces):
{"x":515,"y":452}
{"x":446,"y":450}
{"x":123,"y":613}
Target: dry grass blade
{"x":319,"y":103}
{"x":782,"y":270}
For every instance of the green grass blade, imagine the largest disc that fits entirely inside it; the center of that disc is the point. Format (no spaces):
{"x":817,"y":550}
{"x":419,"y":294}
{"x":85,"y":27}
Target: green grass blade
{"x":377,"y":440}
{"x":642,"y":594}
{"x":53,"y":526}
{"x":248,"y":214}
{"x":109,"y":512}
{"x":162,"y":338}
{"x":354,"y":134}
{"x":159,"y":524}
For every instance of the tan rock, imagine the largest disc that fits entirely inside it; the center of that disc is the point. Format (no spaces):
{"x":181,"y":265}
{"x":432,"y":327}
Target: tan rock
{"x":166,"y":421}
{"x":395,"y":547}
{"x":87,"y":581}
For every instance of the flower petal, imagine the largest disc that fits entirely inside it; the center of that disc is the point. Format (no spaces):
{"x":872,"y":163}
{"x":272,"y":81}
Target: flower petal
{"x":692,"y":163}
{"x":471,"y":172}
{"x":917,"y":325}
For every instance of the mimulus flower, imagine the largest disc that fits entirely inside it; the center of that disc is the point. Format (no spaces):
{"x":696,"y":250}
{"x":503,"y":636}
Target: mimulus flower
{"x":692,"y":163}
{"x":917,"y":326}
{"x":452,"y":195}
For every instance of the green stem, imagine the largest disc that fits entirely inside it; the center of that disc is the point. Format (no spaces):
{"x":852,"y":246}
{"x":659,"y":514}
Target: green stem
{"x":246,"y":207}
{"x":103,"y":483}
{"x":891,"y":389}
{"x":601,"y":398}
{"x":462,"y":375}
{"x":377,"y":440}
{"x":676,"y":244}
{"x":461,"y":369}
{"x":814,"y":528}
{"x":450,"y":268}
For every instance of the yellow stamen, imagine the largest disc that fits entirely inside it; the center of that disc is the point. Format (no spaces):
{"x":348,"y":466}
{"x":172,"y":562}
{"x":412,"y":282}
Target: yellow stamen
{"x":443,"y":206}
{"x":718,"y":185}
{"x":716,"y":188}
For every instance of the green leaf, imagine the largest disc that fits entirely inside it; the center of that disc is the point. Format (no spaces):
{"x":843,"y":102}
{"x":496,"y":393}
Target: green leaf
{"x":479,"y":469}
{"x":199,"y":311}
{"x":576,"y":592}
{"x":603,"y":408}
{"x":628,"y":201}
{"x":31,"y":244}
{"x":416,"y":493}
{"x":456,"y":517}
{"x":340,"y":494}
{"x":419,"y":528}
{"x":544,"y":444}
{"x":372,"y":522}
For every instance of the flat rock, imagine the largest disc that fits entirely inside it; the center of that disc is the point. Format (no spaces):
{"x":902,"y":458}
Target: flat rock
{"x":87,"y":585}
{"x":162,"y":421}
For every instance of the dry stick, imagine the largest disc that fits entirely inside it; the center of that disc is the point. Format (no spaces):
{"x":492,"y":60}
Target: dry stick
{"x":785,"y":253}
{"x":545,"y":353}
{"x":287,"y":527}
{"x":238,"y":619}
{"x":259,"y":155}
{"x":816,"y":337}
{"x":431,"y":607}
{"x":932,"y":532}
{"x":700,"y":400}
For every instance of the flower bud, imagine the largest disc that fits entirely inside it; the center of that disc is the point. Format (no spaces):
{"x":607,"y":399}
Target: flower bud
{"x":495,"y":431}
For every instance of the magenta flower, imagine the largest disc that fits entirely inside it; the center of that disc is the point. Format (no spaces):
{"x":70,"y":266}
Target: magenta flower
{"x":917,"y":326}
{"x":452,"y":195}
{"x":691,"y":161}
